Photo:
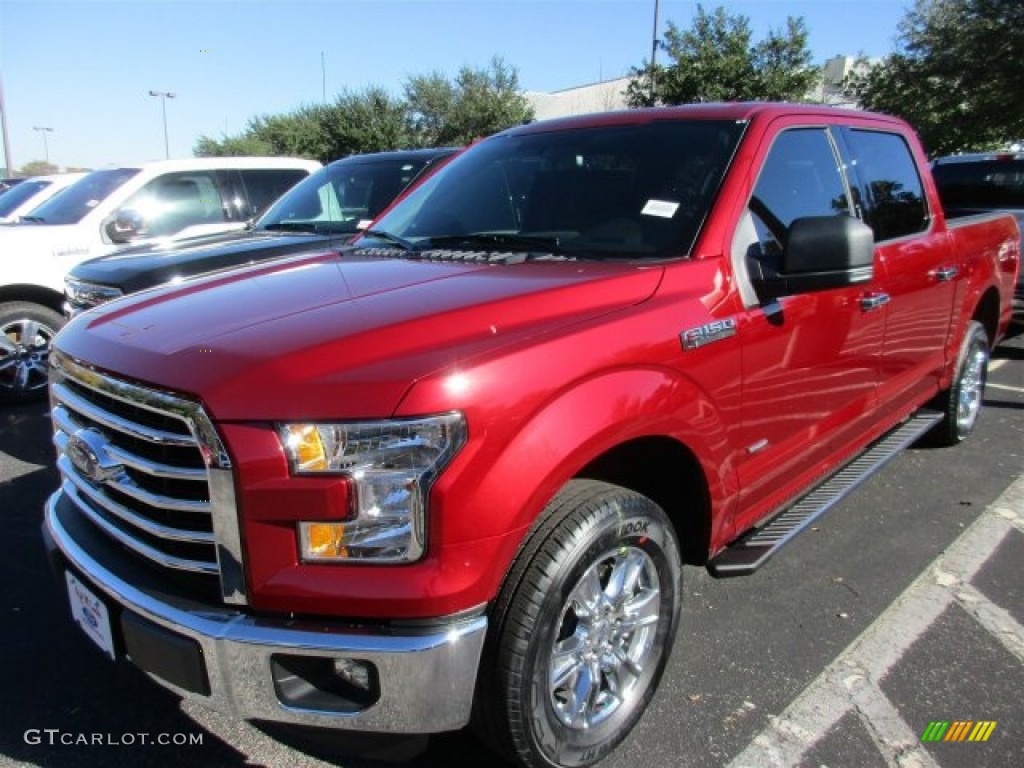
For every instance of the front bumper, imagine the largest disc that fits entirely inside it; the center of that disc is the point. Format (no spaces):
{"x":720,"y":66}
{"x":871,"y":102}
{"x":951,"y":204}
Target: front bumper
{"x":425,"y":676}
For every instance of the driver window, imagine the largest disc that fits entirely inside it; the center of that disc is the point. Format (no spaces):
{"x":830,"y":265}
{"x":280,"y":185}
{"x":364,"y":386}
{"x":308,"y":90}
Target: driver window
{"x":172,"y":202}
{"x":800,"y":177}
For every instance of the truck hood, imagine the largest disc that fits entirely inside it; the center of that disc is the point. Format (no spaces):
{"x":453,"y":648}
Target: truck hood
{"x":135,"y":269}
{"x":339,"y":337}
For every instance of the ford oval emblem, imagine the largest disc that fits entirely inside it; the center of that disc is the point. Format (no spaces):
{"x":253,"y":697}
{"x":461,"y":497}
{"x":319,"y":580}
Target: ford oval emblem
{"x":87,"y":451}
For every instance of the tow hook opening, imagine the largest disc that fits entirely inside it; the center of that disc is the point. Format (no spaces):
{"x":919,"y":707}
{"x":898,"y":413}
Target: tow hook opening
{"x":325,"y":684}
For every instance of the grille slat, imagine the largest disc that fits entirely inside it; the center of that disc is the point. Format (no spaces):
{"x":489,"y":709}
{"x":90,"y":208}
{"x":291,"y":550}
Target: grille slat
{"x":64,"y":422}
{"x":147,"y":469}
{"x":136,"y":545}
{"x":95,"y":413}
{"x":126,"y":515}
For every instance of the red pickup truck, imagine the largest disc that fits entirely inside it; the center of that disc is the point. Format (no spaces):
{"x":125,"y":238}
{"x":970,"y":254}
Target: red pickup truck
{"x":452,"y":474}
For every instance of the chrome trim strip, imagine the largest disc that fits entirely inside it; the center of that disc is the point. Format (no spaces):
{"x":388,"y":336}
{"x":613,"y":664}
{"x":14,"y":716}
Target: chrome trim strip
{"x":223,"y":507}
{"x":426,"y":680}
{"x":127,"y":515}
{"x":107,"y":419}
{"x":63,"y":420}
{"x":168,"y":561}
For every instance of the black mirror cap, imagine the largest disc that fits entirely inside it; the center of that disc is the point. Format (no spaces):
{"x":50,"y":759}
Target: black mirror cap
{"x":126,"y":225}
{"x":824,"y":252}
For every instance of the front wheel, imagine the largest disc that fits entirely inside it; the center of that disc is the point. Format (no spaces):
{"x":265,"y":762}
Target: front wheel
{"x":583,"y":628}
{"x":26,"y":330}
{"x":961,"y":403}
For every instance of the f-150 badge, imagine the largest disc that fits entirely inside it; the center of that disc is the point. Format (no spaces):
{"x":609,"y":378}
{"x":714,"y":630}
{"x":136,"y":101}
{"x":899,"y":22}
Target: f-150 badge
{"x":707,"y":333}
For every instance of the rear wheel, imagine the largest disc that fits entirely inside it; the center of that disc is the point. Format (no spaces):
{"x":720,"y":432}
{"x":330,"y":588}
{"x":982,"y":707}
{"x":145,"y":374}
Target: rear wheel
{"x":582,"y":630}
{"x":961,"y":403}
{"x":26,"y":330}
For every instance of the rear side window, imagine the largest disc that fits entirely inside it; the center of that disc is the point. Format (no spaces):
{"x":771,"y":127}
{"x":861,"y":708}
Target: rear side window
{"x":891,"y":189}
{"x":263,"y":187}
{"x":800,"y":177}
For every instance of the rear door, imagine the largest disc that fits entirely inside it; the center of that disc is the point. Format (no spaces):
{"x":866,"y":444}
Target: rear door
{"x":918,"y":271}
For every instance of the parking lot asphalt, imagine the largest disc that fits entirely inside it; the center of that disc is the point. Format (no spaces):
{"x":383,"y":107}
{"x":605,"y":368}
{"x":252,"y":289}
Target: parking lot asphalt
{"x":901,"y":607}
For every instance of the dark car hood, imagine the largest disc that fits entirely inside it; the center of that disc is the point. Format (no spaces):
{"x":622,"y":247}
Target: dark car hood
{"x":338,"y":337}
{"x":136,"y":269}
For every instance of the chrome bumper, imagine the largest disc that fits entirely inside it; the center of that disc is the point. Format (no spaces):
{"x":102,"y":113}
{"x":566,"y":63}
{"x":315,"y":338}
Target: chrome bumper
{"x":426,"y":681}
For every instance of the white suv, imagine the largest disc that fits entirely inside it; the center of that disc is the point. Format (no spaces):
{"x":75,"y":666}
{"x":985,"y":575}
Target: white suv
{"x":99,"y":213}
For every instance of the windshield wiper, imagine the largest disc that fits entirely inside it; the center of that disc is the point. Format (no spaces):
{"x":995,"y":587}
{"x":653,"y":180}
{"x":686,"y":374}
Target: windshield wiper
{"x":33,"y":219}
{"x":547,"y":243}
{"x":292,"y":226}
{"x":381,"y":234}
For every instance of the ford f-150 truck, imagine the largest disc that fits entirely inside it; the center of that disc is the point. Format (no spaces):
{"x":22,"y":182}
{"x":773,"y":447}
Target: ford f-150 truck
{"x":451,"y":474}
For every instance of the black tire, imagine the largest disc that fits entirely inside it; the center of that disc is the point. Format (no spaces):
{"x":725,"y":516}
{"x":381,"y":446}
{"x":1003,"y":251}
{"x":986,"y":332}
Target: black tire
{"x":961,"y":403}
{"x":26,"y":330}
{"x":615,"y":546}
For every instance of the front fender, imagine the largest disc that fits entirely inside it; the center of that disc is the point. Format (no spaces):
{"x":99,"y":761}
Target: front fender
{"x":500,"y":483}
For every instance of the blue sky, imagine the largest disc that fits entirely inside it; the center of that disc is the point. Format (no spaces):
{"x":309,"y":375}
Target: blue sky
{"x":85,"y":68}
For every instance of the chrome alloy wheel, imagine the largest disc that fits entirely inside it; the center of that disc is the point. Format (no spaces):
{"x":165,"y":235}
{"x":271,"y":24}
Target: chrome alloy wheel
{"x":24,"y":355}
{"x":972,"y":387}
{"x":605,"y":637}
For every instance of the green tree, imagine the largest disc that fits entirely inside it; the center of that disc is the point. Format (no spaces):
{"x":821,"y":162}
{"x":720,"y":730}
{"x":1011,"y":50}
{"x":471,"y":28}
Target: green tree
{"x":477,"y":103}
{"x":234,"y":146}
{"x":434,"y":111}
{"x":718,"y":60}
{"x":956,"y":75}
{"x":37,"y":168}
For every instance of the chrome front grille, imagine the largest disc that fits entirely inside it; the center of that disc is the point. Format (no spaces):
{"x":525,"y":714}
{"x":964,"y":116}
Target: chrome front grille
{"x":148,"y":470}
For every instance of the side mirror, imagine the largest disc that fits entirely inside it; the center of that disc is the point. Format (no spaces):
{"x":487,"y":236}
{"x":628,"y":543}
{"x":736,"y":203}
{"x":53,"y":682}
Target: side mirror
{"x":126,"y":225}
{"x":824,"y":252}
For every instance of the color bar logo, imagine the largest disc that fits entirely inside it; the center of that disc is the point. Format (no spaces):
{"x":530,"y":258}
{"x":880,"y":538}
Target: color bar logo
{"x":959,"y":730}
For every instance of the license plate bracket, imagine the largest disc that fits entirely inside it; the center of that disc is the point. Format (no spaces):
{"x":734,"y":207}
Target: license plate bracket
{"x":91,"y":614}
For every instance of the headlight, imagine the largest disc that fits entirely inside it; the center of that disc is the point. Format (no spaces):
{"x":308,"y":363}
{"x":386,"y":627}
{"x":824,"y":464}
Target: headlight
{"x":391,"y":465}
{"x":88,"y":295}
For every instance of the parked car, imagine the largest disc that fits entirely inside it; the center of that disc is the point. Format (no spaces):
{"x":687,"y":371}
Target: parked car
{"x":101,"y":212}
{"x":328,"y":208}
{"x":20,"y":200}
{"x":979,"y":183}
{"x":9,"y":183}
{"x":452,"y":473}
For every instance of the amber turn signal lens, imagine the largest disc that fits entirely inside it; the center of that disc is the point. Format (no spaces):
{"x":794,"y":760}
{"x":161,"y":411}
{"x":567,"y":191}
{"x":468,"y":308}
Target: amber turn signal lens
{"x":307,"y":449}
{"x":322,"y":540}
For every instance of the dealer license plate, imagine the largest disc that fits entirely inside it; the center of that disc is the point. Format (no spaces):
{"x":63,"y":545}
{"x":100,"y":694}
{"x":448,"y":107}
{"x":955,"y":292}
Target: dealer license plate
{"x":90,"y":614}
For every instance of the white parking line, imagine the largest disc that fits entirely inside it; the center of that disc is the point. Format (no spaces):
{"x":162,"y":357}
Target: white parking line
{"x":850,"y":683}
{"x":990,"y":385}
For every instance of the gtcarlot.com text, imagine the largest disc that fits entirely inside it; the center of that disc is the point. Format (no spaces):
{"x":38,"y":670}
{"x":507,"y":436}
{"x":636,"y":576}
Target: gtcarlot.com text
{"x":56,"y":737}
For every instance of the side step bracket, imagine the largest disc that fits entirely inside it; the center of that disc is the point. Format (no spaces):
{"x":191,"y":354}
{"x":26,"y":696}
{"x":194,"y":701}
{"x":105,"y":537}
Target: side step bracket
{"x":754,"y":548}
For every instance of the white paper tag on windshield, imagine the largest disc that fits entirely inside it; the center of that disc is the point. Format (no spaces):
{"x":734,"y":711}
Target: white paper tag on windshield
{"x":663,"y":208}
{"x":364,"y":223}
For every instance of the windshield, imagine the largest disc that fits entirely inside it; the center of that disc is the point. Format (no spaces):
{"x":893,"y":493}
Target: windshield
{"x":627,"y":191}
{"x":71,"y":205}
{"x":983,"y":184}
{"x":11,"y":200}
{"x":343,"y":197}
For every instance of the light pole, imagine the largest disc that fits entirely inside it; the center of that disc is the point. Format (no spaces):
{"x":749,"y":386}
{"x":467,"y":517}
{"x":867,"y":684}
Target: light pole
{"x":46,"y":147}
{"x":164,"y":96}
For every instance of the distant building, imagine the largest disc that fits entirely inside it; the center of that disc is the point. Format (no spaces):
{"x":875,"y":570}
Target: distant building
{"x":610,"y":95}
{"x":605,"y":96}
{"x":834,"y":72}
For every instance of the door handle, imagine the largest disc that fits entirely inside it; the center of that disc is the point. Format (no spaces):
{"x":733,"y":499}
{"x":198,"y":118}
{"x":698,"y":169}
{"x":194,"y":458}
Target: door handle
{"x":945,"y":274}
{"x":873,"y":301}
